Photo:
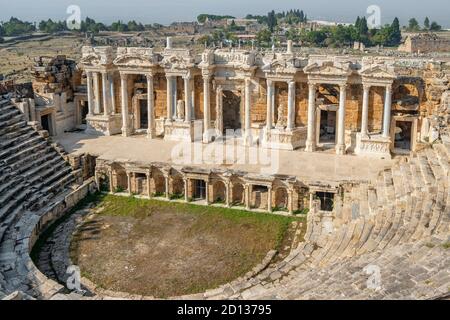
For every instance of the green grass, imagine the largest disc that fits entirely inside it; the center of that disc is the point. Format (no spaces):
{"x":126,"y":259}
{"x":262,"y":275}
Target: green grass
{"x":141,"y":208}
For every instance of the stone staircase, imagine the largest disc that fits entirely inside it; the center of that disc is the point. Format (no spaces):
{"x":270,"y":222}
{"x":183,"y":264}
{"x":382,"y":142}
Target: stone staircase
{"x":33,"y":176}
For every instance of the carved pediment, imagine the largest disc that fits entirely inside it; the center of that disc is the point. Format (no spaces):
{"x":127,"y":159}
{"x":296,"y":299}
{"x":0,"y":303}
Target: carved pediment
{"x":131,"y":60}
{"x":378,"y":72}
{"x":329,"y":68}
{"x":280,"y":66}
{"x":176,"y":62}
{"x":91,"y":60}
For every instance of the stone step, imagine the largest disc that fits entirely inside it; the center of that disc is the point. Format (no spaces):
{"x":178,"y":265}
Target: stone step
{"x":8,"y":114}
{"x":41,"y":144}
{"x":22,"y":145}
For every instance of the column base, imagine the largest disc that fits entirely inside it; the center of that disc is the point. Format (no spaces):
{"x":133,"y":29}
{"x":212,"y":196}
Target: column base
{"x":126,"y":132}
{"x":340,"y":149}
{"x":103,"y":125}
{"x":310,"y":146}
{"x":208,"y":136}
{"x":151,"y":134}
{"x":247,"y":139}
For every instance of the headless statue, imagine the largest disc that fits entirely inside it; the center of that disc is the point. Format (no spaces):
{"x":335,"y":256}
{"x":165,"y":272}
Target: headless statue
{"x":281,"y":120}
{"x":180,"y":110}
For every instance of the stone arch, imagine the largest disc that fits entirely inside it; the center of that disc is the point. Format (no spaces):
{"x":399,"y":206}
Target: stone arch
{"x":281,"y":198}
{"x":158,"y":182}
{"x":177,"y":185}
{"x":121,"y":179}
{"x":238,"y":194}
{"x":219,"y":191}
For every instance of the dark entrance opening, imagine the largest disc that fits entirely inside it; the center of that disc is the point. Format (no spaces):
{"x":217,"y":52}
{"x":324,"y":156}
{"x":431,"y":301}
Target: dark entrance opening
{"x":143,"y":112}
{"x":403,"y":135}
{"x":46,"y":123}
{"x":199,"y":189}
{"x":327,"y":126}
{"x":231,"y":111}
{"x":84,"y":111}
{"x":326,"y":200}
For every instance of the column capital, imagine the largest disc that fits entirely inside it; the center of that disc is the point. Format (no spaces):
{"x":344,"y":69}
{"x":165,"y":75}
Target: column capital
{"x":270,"y":82}
{"x":312,"y":85}
{"x":389,"y":87}
{"x":149,"y":76}
{"x":343,"y":86}
{"x":248,"y":82}
{"x":291,"y":82}
{"x":123,"y":75}
{"x":366,"y":86}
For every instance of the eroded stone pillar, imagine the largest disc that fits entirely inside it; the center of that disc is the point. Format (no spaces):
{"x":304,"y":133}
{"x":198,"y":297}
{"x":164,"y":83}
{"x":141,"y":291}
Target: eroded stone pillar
{"x":187,"y":98}
{"x":96,"y":93}
{"x":247,"y":117}
{"x":124,"y":94}
{"x":150,"y":107}
{"x":206,"y":109}
{"x":340,"y":146}
{"x":269,"y":199}
{"x":129,"y":182}
{"x":227,"y":196}
{"x":167,"y":181}
{"x":248,"y":192}
{"x":106,"y":94}
{"x":169,"y":97}
{"x":149,"y":189}
{"x":89,"y":93}
{"x":311,"y":140}
{"x":387,"y":112}
{"x":111,"y":185}
{"x":270,"y":100}
{"x":186,"y":189}
{"x":291,"y":106}
{"x":219,"y":111}
{"x":207,"y":192}
{"x":365,"y":111}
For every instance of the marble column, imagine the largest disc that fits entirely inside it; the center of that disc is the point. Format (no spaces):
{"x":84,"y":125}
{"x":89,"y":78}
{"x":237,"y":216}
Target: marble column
{"x":291,"y":106}
{"x":207,"y":192}
{"x":365,"y":111}
{"x":291,"y":201}
{"x":96,"y":94}
{"x":270,"y":94}
{"x":112,"y":94}
{"x":129,"y":182}
{"x":387,"y":112}
{"x":150,"y":107}
{"x":227,"y":196}
{"x":111,"y":185}
{"x":219,"y":111}
{"x":167,"y":181}
{"x":206,"y":109}
{"x":89,"y":93}
{"x":186,"y":191}
{"x":311,"y":139}
{"x":269,"y":199}
{"x":124,"y":94}
{"x":340,"y":146}
{"x":169,"y":97}
{"x":247,"y":116}
{"x":248,"y":191}
{"x":106,"y":96}
{"x":149,"y":189}
{"x":187,"y":98}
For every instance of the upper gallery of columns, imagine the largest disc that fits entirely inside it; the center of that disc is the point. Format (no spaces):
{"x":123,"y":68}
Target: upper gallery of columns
{"x":237,"y":64}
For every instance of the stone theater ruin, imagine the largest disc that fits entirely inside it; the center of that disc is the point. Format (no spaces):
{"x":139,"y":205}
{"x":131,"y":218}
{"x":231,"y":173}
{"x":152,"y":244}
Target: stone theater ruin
{"x":362,"y":143}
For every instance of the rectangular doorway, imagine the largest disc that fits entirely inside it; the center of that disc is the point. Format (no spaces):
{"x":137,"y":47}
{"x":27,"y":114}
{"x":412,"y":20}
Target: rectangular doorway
{"x":199,"y":189}
{"x":231,"y":111}
{"x":143,"y":114}
{"x":403,"y":134}
{"x":46,"y":123}
{"x":327,"y":127}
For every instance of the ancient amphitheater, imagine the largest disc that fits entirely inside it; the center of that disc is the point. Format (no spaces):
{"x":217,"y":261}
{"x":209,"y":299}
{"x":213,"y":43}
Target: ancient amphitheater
{"x":394,"y":221}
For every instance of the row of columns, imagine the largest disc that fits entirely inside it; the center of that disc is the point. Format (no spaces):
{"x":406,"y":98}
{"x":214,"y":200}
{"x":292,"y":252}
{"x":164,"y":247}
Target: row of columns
{"x":271,"y":105}
{"x":95,"y":105}
{"x":228,"y":190}
{"x":107,"y":88}
{"x":340,"y":145}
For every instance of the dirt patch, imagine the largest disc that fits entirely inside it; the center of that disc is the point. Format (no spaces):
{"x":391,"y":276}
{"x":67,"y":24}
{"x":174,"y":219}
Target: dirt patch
{"x":164,"y":249}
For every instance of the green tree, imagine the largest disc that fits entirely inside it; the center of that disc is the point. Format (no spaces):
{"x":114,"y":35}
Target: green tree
{"x":395,"y":34}
{"x":426,"y":24}
{"x":413,"y":25}
{"x":264,"y":37}
{"x":435,"y":26}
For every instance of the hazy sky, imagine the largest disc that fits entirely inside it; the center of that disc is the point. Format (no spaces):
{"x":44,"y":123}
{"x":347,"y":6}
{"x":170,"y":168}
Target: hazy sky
{"x":166,"y":11}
